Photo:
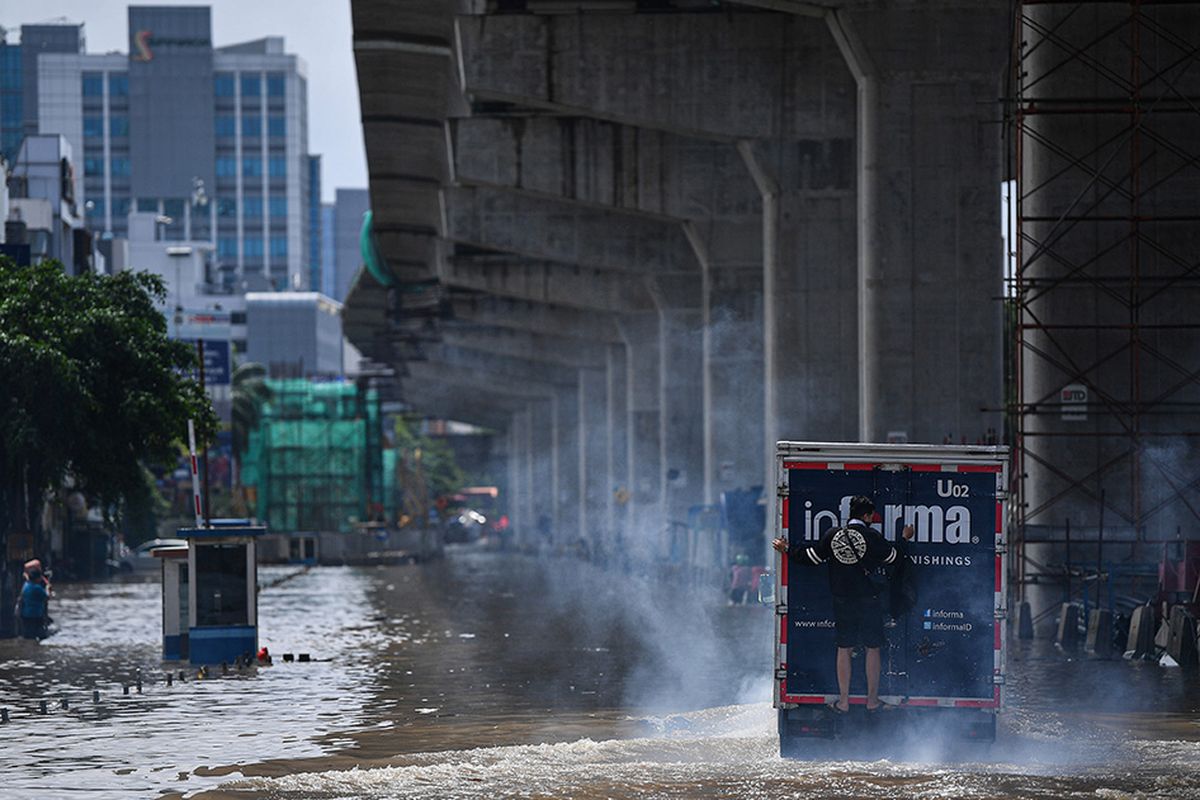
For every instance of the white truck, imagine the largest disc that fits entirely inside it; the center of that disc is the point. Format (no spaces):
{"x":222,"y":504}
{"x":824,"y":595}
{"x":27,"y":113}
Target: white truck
{"x":944,"y":660}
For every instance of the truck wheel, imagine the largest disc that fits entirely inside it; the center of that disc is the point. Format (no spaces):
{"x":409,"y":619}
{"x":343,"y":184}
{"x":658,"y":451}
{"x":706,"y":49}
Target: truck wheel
{"x":787,"y":746}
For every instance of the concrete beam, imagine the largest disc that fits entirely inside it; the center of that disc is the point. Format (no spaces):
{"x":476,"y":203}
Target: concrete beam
{"x":787,"y":69}
{"x":572,"y":233}
{"x":537,"y":318}
{"x":605,"y":164}
{"x":563,"y":351}
{"x":484,"y":383}
{"x":512,"y":368}
{"x":548,"y":282}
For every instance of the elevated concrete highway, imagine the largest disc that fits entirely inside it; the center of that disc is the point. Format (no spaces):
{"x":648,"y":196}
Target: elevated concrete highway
{"x":647,"y":239}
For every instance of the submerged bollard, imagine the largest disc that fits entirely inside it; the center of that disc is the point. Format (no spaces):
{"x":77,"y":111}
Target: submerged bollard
{"x":170,"y":679}
{"x":304,"y":658}
{"x":125,"y":689}
{"x":65,"y":703}
{"x":139,"y":686}
{"x":288,"y":657}
{"x":224,"y":668}
{"x":42,"y":707}
{"x":3,"y":715}
{"x":95,"y":695}
{"x":181,"y":676}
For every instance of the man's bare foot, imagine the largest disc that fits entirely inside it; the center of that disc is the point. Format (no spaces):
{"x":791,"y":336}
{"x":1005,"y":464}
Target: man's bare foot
{"x":839,"y":707}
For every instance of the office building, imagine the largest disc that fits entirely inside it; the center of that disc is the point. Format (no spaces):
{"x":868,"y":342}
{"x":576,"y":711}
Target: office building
{"x":350,"y":207}
{"x":294,"y":334}
{"x":18,"y":78}
{"x":43,"y":209}
{"x":328,"y":259}
{"x":212,"y":140}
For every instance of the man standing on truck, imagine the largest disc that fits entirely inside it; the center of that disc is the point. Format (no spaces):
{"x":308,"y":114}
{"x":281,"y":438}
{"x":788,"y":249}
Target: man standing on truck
{"x":852,"y":553}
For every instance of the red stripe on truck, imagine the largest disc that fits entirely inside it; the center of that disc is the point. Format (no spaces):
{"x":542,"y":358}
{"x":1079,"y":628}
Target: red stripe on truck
{"x":998,"y":574}
{"x":859,"y":466}
{"x":999,"y":518}
{"x":783,"y":569}
{"x":784,"y":513}
{"x":979,"y":468}
{"x":997,"y":647}
{"x":783,"y":626}
{"x":804,"y":465}
{"x":974,"y":703}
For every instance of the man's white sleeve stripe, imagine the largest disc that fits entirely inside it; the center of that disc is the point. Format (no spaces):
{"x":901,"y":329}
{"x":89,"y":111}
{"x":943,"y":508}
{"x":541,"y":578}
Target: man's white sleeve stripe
{"x":891,"y":557}
{"x":813,"y":557}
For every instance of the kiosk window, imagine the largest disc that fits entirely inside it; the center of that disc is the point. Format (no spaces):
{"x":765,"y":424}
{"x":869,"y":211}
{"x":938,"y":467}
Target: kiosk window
{"x":221,"y":585}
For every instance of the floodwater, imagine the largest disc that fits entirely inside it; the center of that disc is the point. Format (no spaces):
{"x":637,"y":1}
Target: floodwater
{"x":494,"y":675}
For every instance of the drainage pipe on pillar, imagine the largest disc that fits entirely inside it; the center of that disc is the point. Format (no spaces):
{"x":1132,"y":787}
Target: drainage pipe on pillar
{"x":769,"y":190}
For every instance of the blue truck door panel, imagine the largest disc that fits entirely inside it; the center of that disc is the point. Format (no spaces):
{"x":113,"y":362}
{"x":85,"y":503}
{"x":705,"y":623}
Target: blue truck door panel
{"x":945,"y":646}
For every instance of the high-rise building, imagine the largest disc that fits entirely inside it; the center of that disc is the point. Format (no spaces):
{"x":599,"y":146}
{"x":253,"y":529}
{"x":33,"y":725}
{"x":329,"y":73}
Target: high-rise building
{"x":328,"y":257}
{"x":214,"y":141}
{"x":312,"y":207}
{"x":18,"y":78}
{"x":350,"y":207}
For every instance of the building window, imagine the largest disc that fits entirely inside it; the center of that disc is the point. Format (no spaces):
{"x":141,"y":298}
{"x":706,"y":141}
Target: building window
{"x":226,"y":167}
{"x":93,"y":84}
{"x":96,"y":209}
{"x":118,"y":126}
{"x":253,"y":248}
{"x":252,"y":167}
{"x":226,"y":207}
{"x":120,"y":167}
{"x":251,"y":84}
{"x":252,"y":206}
{"x":93,"y":166}
{"x":223,"y":84}
{"x":93,"y":127}
{"x":275,"y":84}
{"x":251,"y":125}
{"x":147,"y":204}
{"x":279,"y":247}
{"x":278,"y":206}
{"x":173,"y":208}
{"x":225,"y":127}
{"x":276,"y":126}
{"x":227,"y":247}
{"x":278,"y":167}
{"x":118,"y":84}
{"x":120,"y":208}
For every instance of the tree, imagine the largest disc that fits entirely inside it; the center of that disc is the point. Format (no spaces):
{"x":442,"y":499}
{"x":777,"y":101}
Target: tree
{"x":90,"y":388}
{"x":250,"y":393}
{"x":429,"y":468}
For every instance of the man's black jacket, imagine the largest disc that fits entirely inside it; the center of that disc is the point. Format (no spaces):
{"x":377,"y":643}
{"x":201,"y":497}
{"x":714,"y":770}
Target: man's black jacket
{"x":852,"y":553}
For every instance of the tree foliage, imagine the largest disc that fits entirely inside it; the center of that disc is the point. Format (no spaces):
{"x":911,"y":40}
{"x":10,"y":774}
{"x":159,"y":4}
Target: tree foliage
{"x":90,"y":387}
{"x":250,"y":394}
{"x":430,"y":459}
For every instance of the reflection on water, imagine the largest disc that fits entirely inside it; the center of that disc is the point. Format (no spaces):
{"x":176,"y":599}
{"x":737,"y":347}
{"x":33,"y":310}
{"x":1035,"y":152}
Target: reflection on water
{"x":491,"y":675}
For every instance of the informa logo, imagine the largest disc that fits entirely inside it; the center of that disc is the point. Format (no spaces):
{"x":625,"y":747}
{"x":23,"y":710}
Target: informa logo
{"x":141,"y":44}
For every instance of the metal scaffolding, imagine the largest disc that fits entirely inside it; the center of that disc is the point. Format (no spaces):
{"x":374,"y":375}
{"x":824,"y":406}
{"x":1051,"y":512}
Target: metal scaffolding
{"x":1104,"y":118}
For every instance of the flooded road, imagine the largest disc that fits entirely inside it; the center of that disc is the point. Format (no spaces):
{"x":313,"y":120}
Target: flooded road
{"x":499,"y":675}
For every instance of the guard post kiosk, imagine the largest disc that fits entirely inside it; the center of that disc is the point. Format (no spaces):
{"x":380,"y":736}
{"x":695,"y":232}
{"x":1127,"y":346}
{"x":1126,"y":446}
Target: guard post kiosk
{"x":222,"y":566}
{"x":175,"y":599}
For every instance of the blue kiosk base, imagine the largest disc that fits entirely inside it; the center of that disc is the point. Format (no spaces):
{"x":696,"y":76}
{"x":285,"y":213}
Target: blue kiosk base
{"x":213,"y":645}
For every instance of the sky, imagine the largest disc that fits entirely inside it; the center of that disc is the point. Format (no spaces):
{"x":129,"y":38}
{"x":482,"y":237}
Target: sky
{"x":319,"y":31}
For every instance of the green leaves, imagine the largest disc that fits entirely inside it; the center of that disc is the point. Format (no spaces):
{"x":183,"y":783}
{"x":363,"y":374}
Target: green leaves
{"x":90,"y":385}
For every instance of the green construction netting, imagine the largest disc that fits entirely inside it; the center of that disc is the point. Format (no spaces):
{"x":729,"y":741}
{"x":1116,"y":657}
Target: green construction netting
{"x":316,"y":459}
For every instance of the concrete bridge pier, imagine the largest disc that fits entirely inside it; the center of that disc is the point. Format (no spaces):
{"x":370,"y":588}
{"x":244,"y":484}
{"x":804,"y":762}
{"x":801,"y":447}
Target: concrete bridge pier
{"x":593,"y":458}
{"x":641,"y":335}
{"x":929,"y":248}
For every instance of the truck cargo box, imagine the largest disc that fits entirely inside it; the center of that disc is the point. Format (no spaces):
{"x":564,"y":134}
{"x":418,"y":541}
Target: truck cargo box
{"x":943,"y":662}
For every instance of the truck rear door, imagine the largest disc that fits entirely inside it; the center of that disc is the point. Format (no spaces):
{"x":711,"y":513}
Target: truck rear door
{"x":944,"y":652}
